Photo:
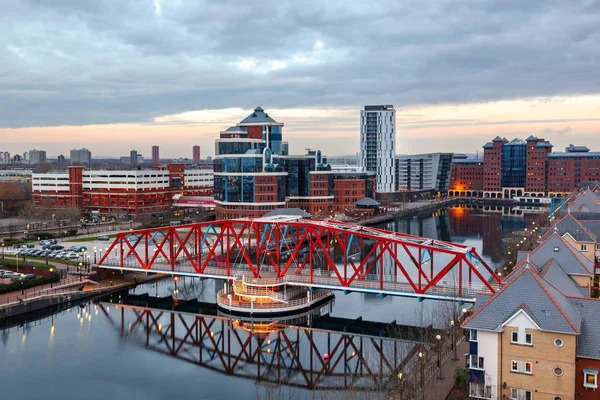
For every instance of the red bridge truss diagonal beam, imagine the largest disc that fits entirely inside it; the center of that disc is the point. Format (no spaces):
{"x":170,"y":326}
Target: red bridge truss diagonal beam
{"x":313,"y":253}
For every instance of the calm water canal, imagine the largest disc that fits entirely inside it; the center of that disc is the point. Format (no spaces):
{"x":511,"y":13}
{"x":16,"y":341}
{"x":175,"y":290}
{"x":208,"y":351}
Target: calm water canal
{"x":100,"y":351}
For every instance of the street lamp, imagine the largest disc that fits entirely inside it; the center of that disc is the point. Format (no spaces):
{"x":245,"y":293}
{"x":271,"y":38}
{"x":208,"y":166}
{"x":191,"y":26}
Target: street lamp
{"x":51,"y":273}
{"x":452,"y":332}
{"x":2,"y":250}
{"x":439,"y":346}
{"x":79,"y":270}
{"x":94,"y":254}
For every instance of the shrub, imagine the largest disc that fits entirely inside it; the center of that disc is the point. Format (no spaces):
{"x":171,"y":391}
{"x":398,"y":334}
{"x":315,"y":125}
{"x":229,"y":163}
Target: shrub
{"x":28,"y":283}
{"x":461,"y":376}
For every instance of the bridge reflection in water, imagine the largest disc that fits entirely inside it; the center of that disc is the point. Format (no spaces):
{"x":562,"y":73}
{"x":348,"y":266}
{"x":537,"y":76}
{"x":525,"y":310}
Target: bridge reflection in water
{"x":312,"y":351}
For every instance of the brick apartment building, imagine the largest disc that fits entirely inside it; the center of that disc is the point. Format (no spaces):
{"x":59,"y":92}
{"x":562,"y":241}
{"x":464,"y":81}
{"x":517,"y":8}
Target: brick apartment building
{"x":523,"y":168}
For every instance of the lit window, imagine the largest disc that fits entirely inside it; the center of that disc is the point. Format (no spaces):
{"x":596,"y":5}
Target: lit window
{"x":521,"y":367}
{"x":590,"y":378}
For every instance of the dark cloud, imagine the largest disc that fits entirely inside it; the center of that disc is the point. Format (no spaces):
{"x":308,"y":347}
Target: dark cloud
{"x":83,"y":62}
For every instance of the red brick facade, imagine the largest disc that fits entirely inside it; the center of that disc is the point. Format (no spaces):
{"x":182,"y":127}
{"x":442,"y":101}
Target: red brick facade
{"x":466,"y":178}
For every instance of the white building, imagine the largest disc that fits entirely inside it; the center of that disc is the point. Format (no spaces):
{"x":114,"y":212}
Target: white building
{"x":378,"y":143}
{"x":423,"y":171}
{"x":81,"y":156}
{"x":37,"y":156}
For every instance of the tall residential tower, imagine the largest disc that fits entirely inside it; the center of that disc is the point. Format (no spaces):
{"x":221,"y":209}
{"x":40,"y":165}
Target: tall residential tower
{"x":377,"y":144}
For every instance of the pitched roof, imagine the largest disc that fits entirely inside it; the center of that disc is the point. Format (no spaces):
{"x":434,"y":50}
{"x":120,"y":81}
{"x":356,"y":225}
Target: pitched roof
{"x":288,"y":212}
{"x":585,"y":201}
{"x":553,"y":273}
{"x":569,"y":224}
{"x":593,"y":226}
{"x":588,"y":341}
{"x":571,"y":261}
{"x":258,"y":116}
{"x":367,"y":202}
{"x":551,"y":310}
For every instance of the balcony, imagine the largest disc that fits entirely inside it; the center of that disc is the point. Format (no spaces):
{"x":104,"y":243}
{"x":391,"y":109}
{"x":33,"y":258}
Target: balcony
{"x":480,"y":391}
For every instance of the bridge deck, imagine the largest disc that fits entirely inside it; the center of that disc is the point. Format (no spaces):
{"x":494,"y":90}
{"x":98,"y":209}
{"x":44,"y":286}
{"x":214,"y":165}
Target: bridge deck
{"x":371,"y":284}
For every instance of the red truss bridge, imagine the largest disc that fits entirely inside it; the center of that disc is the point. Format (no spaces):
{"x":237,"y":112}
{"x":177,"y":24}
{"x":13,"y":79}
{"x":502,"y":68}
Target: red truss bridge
{"x":310,"y":253}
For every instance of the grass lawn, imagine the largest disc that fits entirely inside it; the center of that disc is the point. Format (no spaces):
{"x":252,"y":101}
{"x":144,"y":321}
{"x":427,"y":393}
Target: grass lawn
{"x":89,"y":239}
{"x":13,"y":263}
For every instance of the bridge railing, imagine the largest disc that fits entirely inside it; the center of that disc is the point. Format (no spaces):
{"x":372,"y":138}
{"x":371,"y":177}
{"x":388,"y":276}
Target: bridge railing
{"x":225,"y":299}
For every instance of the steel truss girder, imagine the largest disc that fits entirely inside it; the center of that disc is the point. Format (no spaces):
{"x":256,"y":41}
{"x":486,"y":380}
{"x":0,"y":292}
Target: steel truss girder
{"x":290,"y":248}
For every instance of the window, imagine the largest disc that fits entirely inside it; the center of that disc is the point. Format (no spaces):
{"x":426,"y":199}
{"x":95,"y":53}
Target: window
{"x":515,"y":337}
{"x":556,"y":248}
{"x":558,"y":342}
{"x":590,"y":378}
{"x":584,"y":247}
{"x":472,"y":335}
{"x":480,"y":390}
{"x":475,"y":362}
{"x":558,"y":371}
{"x":520,"y":394}
{"x":521,"y":367}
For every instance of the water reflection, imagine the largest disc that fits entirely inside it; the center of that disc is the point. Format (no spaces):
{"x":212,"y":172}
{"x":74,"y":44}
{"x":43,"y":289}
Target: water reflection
{"x":313,"y":351}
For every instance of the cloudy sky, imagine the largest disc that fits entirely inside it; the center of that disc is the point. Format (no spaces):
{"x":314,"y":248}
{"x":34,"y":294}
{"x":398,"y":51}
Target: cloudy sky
{"x":114,"y":75}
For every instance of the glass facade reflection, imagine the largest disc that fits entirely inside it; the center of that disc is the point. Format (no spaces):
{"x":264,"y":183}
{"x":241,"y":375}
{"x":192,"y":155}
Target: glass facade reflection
{"x":514,"y":163}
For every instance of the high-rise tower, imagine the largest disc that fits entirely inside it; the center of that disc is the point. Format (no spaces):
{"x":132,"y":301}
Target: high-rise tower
{"x":377,"y":144}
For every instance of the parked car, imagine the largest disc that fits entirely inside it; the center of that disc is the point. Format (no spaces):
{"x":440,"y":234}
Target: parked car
{"x":81,"y":249}
{"x":73,"y":256}
{"x":30,"y":245}
{"x":8,"y":274}
{"x":17,"y":277}
{"x":103,"y":238}
{"x":29,"y":276}
{"x":36,"y":253}
{"x":57,"y":247}
{"x":53,"y":241}
{"x":71,"y":248}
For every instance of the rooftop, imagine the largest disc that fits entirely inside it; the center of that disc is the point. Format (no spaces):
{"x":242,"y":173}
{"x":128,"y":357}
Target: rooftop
{"x":259,"y":116}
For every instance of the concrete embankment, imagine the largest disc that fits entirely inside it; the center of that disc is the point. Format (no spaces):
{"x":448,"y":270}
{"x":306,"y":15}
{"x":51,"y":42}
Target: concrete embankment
{"x":91,"y":289}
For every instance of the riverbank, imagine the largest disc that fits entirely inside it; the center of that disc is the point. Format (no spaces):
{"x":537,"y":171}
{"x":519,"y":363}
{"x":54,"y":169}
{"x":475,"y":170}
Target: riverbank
{"x":70,"y":291}
{"x":409,"y":210}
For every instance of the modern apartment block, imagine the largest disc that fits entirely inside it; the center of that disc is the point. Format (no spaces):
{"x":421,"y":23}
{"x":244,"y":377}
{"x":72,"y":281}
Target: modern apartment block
{"x":119,"y":192}
{"x":423,"y":172}
{"x":536,"y":338}
{"x":37,"y":156}
{"x":524,"y":168}
{"x":155,"y":155}
{"x":81,"y":157}
{"x":378,"y":144}
{"x":254,"y":172}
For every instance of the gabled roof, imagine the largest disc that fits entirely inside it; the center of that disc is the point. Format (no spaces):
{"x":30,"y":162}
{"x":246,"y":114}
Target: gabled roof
{"x":569,"y":224}
{"x":258,"y":116}
{"x":498,"y":139}
{"x":573,"y":262}
{"x":549,"y":308}
{"x":585,"y":201}
{"x":593,"y":226}
{"x":553,"y":273}
{"x":588,"y":343}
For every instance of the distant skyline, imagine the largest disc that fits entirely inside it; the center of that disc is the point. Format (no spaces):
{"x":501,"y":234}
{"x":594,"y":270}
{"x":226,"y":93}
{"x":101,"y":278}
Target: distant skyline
{"x":116,"y":76}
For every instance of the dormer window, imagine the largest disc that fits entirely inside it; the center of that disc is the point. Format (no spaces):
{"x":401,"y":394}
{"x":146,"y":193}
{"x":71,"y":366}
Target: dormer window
{"x":556,"y":248}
